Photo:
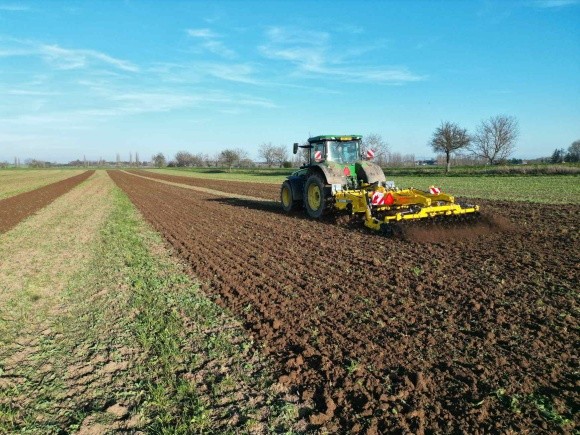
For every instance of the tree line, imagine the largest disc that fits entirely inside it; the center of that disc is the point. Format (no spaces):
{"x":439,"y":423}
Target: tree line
{"x":572,"y":155}
{"x":272,"y":155}
{"x":493,"y":141}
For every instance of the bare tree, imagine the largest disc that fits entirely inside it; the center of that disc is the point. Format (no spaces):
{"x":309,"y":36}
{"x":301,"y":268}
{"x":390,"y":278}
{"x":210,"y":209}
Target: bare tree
{"x":267,"y":152}
{"x":159,"y":160}
{"x":184,"y":158}
{"x":495,"y":138}
{"x":280,"y":155}
{"x":376,"y":143}
{"x":230,"y":158}
{"x":448,"y":138}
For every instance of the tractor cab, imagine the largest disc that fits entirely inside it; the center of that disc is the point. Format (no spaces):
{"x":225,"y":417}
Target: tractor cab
{"x":327,"y":149}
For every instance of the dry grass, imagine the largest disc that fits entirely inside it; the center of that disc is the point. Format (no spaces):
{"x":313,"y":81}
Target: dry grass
{"x":40,"y":254}
{"x":14,"y":182}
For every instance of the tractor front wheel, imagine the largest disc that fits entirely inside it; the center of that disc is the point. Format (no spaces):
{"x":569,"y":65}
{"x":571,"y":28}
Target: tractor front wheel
{"x":314,"y":198}
{"x":287,"y":197}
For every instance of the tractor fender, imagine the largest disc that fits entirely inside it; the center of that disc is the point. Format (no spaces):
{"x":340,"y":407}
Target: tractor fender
{"x":333,"y":174}
{"x":297,"y":185}
{"x":369,"y":172}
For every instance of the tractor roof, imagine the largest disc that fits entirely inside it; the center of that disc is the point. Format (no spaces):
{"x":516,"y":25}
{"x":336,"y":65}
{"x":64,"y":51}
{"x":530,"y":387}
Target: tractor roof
{"x":337,"y":137}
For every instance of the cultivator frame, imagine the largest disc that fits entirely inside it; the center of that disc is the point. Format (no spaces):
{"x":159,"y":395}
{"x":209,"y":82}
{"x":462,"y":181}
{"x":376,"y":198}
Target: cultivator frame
{"x":383,"y":206}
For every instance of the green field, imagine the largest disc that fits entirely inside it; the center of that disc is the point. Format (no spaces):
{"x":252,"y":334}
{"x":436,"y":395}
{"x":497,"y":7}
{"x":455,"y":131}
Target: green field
{"x":547,"y":189}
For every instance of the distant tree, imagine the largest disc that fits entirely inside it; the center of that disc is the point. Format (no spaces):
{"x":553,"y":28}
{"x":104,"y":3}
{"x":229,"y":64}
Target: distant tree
{"x":33,"y":163}
{"x":229,"y":158}
{"x":448,"y":138}
{"x":267,"y":152}
{"x":573,"y":152}
{"x":280,"y":155}
{"x":558,"y":156}
{"x":495,"y":138}
{"x":233,"y":156}
{"x":159,"y":160}
{"x":376,"y":143}
{"x":183,"y":159}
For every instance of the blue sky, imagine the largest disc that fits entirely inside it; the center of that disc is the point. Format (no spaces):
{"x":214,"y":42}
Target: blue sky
{"x":99,"y":78}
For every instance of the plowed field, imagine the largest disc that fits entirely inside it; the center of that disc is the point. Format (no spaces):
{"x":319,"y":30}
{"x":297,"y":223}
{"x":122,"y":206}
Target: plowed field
{"x":16,"y":208}
{"x":469,"y":335}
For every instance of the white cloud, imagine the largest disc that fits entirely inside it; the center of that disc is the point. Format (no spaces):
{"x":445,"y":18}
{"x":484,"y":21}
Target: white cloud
{"x":310,"y":53}
{"x":232,"y":72}
{"x":26,"y":92}
{"x":14,"y":7}
{"x":63,"y":58}
{"x":555,"y":3}
{"x":210,"y":41}
{"x":201,"y":33}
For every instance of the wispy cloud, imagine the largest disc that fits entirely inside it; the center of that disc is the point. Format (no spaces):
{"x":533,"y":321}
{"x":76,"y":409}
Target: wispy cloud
{"x":211,"y":41}
{"x":14,"y":7}
{"x":64,"y":58}
{"x":241,"y":73}
{"x":554,"y":3}
{"x":25,"y":92}
{"x":311,"y":54}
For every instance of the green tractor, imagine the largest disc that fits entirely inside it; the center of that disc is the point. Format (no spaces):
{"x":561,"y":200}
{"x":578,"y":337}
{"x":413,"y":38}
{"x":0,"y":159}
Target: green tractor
{"x":336,"y":176}
{"x":333,"y":163}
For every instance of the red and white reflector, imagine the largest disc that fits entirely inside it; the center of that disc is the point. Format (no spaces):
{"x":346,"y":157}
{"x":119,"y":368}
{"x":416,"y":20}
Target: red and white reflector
{"x":370,"y":154}
{"x":318,"y":156}
{"x":434,"y":190}
{"x":378,"y":198}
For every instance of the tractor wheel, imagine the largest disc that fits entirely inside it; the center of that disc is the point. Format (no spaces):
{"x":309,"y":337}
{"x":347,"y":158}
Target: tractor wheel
{"x":287,"y":198}
{"x":314,"y":199}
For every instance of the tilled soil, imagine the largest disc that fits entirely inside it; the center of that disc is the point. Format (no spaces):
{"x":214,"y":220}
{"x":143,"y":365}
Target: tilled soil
{"x":475,"y":333}
{"x":266,"y":191}
{"x":19,"y":207}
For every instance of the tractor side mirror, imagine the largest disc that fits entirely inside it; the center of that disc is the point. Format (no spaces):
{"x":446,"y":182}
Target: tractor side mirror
{"x":295,"y":147}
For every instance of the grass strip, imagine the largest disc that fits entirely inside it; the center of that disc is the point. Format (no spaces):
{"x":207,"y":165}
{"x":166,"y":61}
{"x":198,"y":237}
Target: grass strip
{"x":137,"y":346}
{"x":192,"y":362}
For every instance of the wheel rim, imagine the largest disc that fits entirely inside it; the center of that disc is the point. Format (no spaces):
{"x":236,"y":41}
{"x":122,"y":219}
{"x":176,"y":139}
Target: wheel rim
{"x":286,"y":196}
{"x":314,"y":197}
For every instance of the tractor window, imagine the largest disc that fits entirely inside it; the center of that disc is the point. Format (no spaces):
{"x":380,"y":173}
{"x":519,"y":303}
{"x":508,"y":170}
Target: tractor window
{"x":318,"y":152}
{"x":344,"y":152}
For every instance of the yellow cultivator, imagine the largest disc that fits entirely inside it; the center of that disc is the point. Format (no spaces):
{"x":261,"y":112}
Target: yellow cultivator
{"x":384,"y":205}
{"x":336,"y":177}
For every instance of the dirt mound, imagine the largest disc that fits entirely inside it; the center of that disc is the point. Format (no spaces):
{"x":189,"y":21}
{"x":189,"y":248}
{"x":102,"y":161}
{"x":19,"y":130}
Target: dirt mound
{"x":382,"y":335}
{"x":19,"y":207}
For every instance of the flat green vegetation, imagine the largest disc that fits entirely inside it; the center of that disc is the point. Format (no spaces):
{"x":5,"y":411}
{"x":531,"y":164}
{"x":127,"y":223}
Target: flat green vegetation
{"x":265,"y":175}
{"x":547,"y":189}
{"x":15,"y":181}
{"x":114,"y":336}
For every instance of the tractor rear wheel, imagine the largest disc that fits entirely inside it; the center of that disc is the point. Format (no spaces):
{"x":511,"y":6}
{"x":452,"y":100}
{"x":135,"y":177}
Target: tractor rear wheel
{"x":287,"y":197}
{"x":314,"y":198}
